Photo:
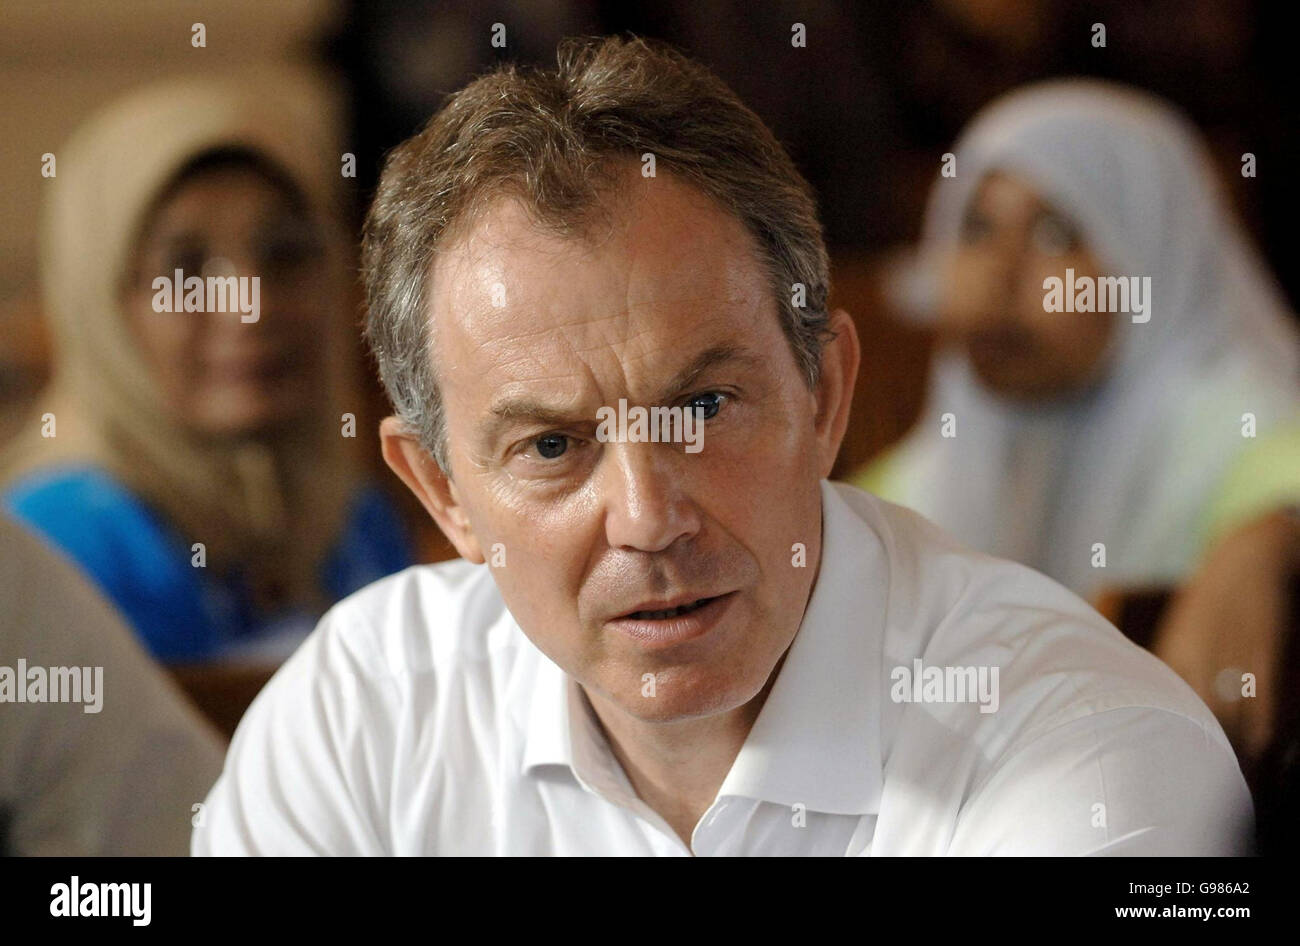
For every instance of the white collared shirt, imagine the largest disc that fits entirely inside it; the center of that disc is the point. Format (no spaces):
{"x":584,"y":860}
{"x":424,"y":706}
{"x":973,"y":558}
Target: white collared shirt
{"x":419,"y":719}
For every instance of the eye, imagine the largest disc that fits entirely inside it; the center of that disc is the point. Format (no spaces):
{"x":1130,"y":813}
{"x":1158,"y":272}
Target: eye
{"x":707,"y":405}
{"x":551,"y":446}
{"x":190,"y":260}
{"x":975,"y":226}
{"x":1054,"y":235}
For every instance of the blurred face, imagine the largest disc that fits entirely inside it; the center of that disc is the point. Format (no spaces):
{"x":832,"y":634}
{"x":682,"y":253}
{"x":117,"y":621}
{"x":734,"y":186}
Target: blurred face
{"x":622,"y":559}
{"x":220,"y":374}
{"x":1011,"y":240}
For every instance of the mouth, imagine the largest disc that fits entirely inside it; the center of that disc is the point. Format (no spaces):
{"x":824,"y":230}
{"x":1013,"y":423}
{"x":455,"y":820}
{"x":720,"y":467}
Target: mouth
{"x":254,"y":366}
{"x":663,"y":614}
{"x":662,"y":624}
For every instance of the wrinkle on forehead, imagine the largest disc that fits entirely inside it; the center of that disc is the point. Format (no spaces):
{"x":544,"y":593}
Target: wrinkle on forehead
{"x":619,"y":313}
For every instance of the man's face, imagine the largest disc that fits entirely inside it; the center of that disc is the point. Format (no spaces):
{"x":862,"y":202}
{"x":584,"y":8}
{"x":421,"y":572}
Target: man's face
{"x":668,"y":306}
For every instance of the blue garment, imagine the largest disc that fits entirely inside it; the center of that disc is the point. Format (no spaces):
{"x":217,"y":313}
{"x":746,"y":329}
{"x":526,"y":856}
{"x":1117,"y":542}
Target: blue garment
{"x":181,"y":612}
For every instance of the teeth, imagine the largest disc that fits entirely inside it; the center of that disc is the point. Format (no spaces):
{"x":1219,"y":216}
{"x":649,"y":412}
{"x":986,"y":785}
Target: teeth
{"x":670,"y":613}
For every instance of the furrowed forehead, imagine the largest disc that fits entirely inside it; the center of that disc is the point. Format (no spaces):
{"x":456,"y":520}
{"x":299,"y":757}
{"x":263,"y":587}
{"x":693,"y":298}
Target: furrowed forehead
{"x":685,"y":268}
{"x":663,"y":217}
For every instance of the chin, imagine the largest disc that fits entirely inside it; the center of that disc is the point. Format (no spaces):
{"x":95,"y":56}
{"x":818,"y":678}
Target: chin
{"x":1023,"y":388}
{"x":691,"y":693}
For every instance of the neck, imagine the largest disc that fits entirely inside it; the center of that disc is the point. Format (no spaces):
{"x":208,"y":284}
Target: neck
{"x":678,"y":767}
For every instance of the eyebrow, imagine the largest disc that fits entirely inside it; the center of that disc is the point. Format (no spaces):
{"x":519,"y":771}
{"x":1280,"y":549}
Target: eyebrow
{"x":706,"y":360}
{"x":514,"y":410}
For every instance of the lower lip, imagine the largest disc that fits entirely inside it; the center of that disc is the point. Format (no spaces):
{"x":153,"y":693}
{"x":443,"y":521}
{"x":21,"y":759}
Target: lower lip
{"x":677,"y":630}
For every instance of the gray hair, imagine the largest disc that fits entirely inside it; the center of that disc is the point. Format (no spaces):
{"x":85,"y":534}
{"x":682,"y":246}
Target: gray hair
{"x":552,"y":139}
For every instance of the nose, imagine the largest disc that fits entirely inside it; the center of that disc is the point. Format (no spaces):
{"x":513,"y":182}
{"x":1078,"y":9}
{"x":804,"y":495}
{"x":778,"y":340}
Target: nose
{"x":984,"y":290}
{"x":235,"y":262}
{"x":238,"y":264}
{"x":647,"y":505}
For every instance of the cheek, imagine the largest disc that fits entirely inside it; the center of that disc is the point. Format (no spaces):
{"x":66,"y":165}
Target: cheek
{"x":1072,"y":342}
{"x":781,"y":518}
{"x":761,"y":485}
{"x":1058,"y":333}
{"x":538,"y":554}
{"x":966,"y":290}
{"x":168,"y":343}
{"x":754,"y":481}
{"x":1090,"y":333}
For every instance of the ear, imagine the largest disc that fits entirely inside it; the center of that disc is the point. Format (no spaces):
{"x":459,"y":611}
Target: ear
{"x":436,"y":492}
{"x":834,"y":393}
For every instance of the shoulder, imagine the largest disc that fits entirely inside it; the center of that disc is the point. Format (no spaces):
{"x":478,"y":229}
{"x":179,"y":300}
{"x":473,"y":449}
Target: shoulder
{"x":96,"y":520}
{"x":421,"y":618}
{"x":69,"y":491}
{"x":401,"y":643}
{"x":1001,"y":679}
{"x":69,"y":768}
{"x":951,"y":604}
{"x":391,"y":679}
{"x":1265,"y":476}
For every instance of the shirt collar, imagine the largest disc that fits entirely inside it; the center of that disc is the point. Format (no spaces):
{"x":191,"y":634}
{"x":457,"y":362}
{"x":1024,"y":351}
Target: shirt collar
{"x":548,"y":740}
{"x":816,"y":742}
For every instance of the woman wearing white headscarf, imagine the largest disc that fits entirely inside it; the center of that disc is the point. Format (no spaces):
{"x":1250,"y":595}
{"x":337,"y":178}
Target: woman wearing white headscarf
{"x":1086,"y":444}
{"x":196,"y":463}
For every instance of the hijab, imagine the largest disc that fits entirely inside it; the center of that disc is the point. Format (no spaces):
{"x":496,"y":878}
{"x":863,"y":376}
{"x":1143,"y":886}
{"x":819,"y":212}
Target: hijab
{"x":268,"y":508}
{"x":1133,"y":462}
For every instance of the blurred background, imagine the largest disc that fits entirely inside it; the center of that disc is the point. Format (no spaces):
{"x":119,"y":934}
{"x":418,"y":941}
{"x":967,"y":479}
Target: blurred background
{"x":867,"y":110}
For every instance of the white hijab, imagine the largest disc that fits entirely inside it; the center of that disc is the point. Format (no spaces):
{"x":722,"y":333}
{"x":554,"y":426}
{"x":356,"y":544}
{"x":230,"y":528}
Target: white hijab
{"x":1134,"y":462}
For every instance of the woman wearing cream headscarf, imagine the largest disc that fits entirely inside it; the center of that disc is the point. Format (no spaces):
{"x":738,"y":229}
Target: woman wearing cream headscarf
{"x":1088,"y":445}
{"x":195,"y":463}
